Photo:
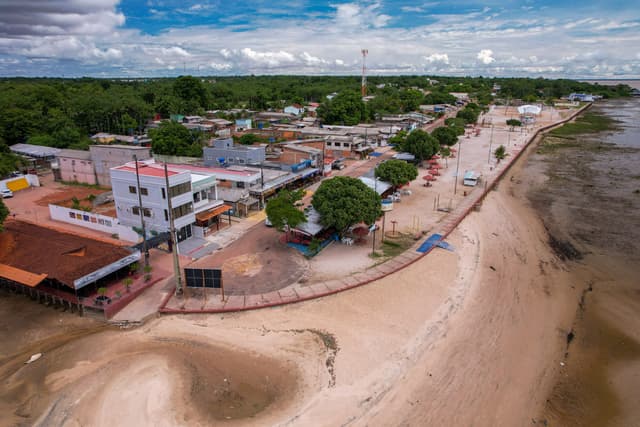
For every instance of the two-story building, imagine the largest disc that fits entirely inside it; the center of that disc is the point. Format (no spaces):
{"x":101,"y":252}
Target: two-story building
{"x":225,"y":152}
{"x":105,"y":157}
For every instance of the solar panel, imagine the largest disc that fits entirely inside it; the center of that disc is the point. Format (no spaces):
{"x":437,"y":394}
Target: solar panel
{"x":203,"y":277}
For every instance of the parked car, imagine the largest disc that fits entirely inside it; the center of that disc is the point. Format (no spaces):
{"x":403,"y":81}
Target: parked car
{"x":338,"y":165}
{"x":6,"y":193}
{"x":267,"y":222}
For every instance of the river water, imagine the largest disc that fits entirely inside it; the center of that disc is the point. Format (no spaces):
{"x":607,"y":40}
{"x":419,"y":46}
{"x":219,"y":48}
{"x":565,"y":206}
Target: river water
{"x":589,"y":199}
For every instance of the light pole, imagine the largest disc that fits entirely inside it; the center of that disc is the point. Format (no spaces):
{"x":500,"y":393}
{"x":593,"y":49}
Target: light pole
{"x":455,"y":181}
{"x":490,"y":142}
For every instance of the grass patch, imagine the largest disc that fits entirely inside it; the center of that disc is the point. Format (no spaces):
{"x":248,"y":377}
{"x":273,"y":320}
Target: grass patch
{"x":392,"y":248}
{"x":587,"y":123}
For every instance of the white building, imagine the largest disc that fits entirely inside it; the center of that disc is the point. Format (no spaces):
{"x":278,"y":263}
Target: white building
{"x":190,"y":194}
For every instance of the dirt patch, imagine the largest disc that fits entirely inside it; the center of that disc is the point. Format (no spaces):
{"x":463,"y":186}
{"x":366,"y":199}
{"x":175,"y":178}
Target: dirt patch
{"x":65,"y":196}
{"x":84,"y":378}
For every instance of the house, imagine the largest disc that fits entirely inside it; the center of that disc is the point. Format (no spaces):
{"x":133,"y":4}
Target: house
{"x":224,"y":151}
{"x":105,"y":157}
{"x":581,"y":97}
{"x":41,"y":155}
{"x":243,"y":124}
{"x":294,"y":109}
{"x":190,"y":193}
{"x":74,"y":166}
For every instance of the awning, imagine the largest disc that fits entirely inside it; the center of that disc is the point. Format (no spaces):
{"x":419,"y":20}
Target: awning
{"x":208,"y":214}
{"x":21,"y":276}
{"x":105,"y":271}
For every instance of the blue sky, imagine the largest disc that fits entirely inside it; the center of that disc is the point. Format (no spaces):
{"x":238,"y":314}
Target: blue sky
{"x":140,"y":38}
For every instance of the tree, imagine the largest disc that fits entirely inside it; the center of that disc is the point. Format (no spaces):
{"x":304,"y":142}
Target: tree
{"x":249,"y":139}
{"x":514,"y":122}
{"x":281,"y":210}
{"x":4,"y":213}
{"x":445,"y":135}
{"x":174,"y":139}
{"x":422,"y":145}
{"x":397,"y":172}
{"x":191,"y":91}
{"x":345,"y":108}
{"x":398,"y":138}
{"x":343,"y":201}
{"x":500,"y":153}
{"x":445,"y":151}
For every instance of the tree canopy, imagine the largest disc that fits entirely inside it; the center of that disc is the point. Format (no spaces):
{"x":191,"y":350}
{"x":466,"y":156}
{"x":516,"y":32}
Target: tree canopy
{"x":422,"y":145}
{"x":174,"y":139}
{"x":343,"y":201}
{"x":281,"y":210}
{"x":396,"y":172}
{"x":346,"y":108}
{"x":445,"y":135}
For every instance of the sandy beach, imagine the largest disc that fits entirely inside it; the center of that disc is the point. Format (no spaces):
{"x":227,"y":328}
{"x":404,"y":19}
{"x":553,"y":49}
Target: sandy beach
{"x":475,"y":336}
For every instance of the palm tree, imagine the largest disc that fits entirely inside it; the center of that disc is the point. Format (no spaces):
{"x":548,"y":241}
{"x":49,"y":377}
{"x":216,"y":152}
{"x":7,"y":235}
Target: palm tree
{"x":500,"y":153}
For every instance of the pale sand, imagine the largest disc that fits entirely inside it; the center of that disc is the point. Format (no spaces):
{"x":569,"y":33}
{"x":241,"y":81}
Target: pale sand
{"x":447,"y":341}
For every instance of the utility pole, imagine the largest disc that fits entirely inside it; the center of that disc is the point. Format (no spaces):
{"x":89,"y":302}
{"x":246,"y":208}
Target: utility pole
{"x":172,"y":232}
{"x":141,"y":212}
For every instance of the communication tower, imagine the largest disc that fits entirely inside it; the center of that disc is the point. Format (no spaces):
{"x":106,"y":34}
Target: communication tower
{"x":365,"y":52}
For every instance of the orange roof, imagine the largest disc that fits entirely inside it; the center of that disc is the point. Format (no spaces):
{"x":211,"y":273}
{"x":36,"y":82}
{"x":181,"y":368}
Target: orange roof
{"x":21,"y":276}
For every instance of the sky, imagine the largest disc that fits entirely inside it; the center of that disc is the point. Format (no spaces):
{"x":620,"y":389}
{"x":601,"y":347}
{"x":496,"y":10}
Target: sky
{"x":157,"y":38}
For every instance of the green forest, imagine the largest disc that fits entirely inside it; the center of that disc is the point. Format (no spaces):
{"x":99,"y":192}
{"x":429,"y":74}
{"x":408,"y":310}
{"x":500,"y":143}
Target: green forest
{"x":63,"y":113}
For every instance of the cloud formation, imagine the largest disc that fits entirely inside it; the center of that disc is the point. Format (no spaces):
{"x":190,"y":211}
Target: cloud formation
{"x":171,"y":37}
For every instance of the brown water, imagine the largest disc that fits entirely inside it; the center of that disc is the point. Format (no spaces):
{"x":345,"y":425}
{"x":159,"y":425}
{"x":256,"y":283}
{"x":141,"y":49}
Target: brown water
{"x":590,"y":203}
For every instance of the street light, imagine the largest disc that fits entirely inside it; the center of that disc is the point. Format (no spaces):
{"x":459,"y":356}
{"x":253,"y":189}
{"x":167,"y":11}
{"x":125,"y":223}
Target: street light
{"x":455,"y":181}
{"x":490,"y":142}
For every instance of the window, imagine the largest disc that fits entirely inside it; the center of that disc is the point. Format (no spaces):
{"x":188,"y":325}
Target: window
{"x":135,"y":210}
{"x":166,"y":214}
{"x":240,"y":184}
{"x":132,"y":189}
{"x":241,"y":161}
{"x":178,"y":189}
{"x":196,"y":197}
{"x":144,"y":191}
{"x":146,"y":212}
{"x":204,"y":195}
{"x":164,"y":193}
{"x":182,"y":210}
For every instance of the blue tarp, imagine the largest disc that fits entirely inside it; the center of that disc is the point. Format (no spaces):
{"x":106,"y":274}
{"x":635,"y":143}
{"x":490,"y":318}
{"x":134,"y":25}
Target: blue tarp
{"x":375,"y":154}
{"x":434,"y":240}
{"x":429,"y":243}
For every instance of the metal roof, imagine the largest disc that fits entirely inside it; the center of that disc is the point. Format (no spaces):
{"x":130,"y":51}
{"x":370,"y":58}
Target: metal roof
{"x":31,"y":150}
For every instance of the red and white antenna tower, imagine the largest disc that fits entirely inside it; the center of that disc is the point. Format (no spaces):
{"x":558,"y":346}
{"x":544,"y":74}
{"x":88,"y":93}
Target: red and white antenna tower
{"x":365,"y":52}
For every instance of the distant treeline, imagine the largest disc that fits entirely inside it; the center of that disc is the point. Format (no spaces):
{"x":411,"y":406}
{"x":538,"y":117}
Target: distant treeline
{"x":65,"y":112}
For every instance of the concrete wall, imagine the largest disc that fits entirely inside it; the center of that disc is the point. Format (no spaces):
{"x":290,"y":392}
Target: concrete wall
{"x":76,"y":170}
{"x":105,"y":157}
{"x":93,"y":221}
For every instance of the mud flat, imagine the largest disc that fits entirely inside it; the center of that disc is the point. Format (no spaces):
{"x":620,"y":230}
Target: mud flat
{"x":589,"y":199}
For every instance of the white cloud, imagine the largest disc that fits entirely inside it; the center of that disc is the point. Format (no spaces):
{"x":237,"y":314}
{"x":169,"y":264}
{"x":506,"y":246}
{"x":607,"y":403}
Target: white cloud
{"x":352,"y":16}
{"x":270,"y":59}
{"x":485,"y":56}
{"x":437,"y":57}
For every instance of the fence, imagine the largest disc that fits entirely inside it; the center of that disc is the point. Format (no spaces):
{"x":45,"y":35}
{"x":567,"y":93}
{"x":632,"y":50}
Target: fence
{"x":93,"y":221}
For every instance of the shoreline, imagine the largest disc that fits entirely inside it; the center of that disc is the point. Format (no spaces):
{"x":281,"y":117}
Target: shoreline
{"x":474,"y":336}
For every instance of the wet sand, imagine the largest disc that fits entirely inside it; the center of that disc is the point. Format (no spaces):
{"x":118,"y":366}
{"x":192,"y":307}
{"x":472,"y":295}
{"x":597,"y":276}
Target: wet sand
{"x":590,"y":202}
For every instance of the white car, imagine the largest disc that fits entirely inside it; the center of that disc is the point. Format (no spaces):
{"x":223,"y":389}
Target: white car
{"x":6,"y":193}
